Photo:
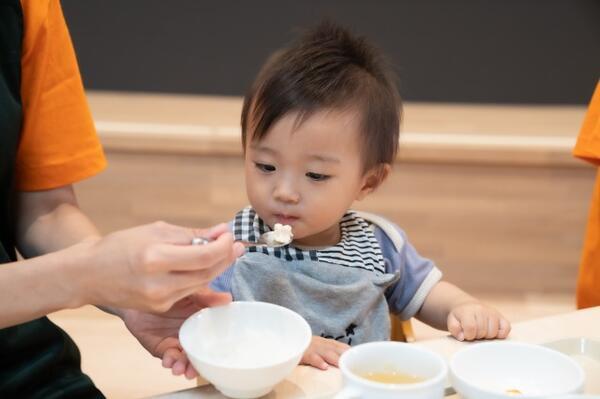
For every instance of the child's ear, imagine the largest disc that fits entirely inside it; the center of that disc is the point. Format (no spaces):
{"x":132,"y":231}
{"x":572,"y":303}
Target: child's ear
{"x":373,"y":179}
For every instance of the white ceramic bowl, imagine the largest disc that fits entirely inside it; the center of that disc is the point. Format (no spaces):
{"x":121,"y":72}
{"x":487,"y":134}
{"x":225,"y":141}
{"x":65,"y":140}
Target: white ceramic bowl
{"x":386,"y":357}
{"x":577,"y":396}
{"x":245,"y":348}
{"x":491,"y":370}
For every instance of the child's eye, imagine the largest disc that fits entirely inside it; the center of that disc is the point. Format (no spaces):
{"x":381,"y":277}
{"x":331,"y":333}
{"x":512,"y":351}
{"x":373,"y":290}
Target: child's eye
{"x":263,"y":167}
{"x":317,"y":176}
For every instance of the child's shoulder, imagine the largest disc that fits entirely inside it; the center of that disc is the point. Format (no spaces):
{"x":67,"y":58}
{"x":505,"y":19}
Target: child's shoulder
{"x":389,"y":234}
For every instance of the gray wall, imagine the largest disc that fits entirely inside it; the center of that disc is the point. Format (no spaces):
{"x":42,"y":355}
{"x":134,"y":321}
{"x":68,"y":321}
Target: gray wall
{"x":505,"y":51}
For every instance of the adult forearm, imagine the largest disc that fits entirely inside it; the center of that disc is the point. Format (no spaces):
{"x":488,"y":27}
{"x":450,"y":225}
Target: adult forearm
{"x":50,"y":220}
{"x":147,"y":268}
{"x":59,"y":228}
{"x":35,"y":287}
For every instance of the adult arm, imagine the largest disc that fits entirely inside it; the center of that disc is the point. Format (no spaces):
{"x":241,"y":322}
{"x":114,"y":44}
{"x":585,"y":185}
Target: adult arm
{"x":51,"y":220}
{"x":147,"y":268}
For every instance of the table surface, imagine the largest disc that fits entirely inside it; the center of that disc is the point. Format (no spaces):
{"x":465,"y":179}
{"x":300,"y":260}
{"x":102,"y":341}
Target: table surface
{"x":309,"y":383}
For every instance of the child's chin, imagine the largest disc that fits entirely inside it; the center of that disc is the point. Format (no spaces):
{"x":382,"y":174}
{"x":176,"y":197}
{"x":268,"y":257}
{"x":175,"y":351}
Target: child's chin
{"x":304,"y":239}
{"x":298,"y":237}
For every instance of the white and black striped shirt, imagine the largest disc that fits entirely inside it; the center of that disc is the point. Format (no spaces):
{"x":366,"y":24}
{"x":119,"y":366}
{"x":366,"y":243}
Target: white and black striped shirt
{"x":357,"y":248}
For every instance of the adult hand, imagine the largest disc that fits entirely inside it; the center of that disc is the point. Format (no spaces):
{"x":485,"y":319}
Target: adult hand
{"x":158,"y":333}
{"x":152,"y":267}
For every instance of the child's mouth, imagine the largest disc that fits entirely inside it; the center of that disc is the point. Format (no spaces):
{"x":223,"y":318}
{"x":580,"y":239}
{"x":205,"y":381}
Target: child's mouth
{"x":286,"y":219}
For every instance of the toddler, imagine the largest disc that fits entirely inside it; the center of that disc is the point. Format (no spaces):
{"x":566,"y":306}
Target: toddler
{"x":320,"y":129}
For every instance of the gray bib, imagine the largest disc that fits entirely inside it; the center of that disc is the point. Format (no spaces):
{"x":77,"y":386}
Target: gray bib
{"x":339,"y":290}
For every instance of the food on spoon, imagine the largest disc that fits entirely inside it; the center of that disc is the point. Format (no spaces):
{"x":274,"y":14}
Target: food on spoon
{"x":282,"y":233}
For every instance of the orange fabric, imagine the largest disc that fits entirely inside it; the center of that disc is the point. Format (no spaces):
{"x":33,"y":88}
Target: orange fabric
{"x":588,"y":148}
{"x":59,"y":145}
{"x":588,"y":142}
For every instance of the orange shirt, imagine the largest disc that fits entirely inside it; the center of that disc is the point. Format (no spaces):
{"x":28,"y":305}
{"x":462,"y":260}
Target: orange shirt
{"x":588,"y":148}
{"x":58,"y":143}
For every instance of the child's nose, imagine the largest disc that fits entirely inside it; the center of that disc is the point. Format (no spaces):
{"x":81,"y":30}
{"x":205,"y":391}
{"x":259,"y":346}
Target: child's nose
{"x":285,"y":192}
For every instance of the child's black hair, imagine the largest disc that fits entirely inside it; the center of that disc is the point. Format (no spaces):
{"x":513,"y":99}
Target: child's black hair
{"x":329,"y":68}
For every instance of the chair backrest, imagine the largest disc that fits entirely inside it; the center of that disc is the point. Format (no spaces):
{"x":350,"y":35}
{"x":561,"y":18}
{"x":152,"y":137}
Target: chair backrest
{"x":402,"y":330}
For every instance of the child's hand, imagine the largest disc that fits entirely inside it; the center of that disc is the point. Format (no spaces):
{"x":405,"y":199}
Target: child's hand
{"x":474,"y":320}
{"x":322,"y":352}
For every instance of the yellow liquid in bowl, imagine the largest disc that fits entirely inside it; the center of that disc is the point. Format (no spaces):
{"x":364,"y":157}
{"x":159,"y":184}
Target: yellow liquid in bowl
{"x":391,"y":377}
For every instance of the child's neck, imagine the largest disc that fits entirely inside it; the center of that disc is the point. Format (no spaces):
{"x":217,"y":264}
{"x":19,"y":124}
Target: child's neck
{"x":325,"y":238}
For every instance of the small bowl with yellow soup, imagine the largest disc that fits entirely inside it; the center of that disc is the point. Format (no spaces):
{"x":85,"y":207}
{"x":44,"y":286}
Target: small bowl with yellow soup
{"x":386,"y":370}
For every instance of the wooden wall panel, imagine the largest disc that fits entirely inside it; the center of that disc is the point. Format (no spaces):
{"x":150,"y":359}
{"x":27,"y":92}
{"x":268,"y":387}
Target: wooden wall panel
{"x":490,"y":228}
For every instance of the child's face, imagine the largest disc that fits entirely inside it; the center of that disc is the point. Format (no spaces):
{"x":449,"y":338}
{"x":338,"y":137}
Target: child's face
{"x":307,"y":176}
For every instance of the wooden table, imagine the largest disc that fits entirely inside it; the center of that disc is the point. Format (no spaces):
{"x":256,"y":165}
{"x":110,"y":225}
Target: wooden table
{"x":310,"y":383}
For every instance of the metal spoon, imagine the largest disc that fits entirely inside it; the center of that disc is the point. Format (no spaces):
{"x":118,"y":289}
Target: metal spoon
{"x":265,"y":240}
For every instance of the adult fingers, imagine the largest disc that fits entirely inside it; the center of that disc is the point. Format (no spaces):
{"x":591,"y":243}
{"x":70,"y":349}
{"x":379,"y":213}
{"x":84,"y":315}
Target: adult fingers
{"x":179,"y":367}
{"x":175,"y":360}
{"x":195,"y":283}
{"x":171,"y":234}
{"x":207,"y":298}
{"x":211,"y":232}
{"x":190,"y":372}
{"x":170,"y":357}
{"x":178,"y":235}
{"x":195,"y":257}
{"x":182,"y":365}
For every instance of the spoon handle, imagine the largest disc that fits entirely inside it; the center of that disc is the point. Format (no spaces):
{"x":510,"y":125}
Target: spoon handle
{"x":204,"y":241}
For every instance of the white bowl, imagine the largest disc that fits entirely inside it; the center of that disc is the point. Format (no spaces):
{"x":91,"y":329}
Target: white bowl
{"x":392,"y":357}
{"x":576,"y":396}
{"x":245,"y":348}
{"x":490,"y":370}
